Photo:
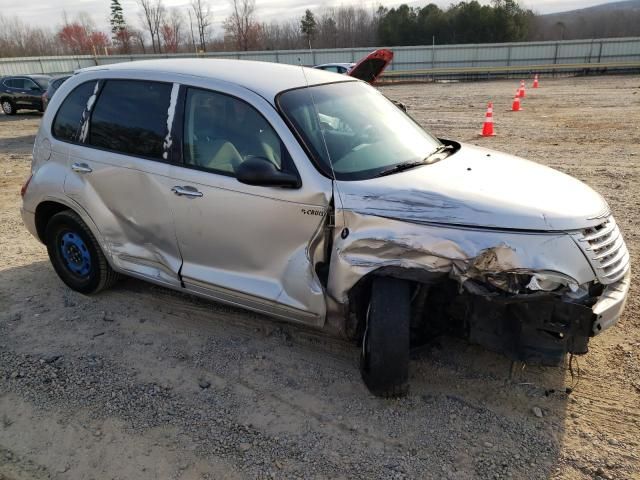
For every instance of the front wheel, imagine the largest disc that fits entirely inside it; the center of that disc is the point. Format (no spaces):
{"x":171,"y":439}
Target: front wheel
{"x":75,"y":254}
{"x":8,"y":107}
{"x":384,"y":360}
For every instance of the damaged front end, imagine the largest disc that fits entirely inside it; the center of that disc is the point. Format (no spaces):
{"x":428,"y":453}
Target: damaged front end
{"x":535,"y":327}
{"x":527,"y":294}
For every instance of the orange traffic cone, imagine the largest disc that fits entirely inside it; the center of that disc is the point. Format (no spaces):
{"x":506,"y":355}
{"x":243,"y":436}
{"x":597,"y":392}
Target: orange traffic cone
{"x":521,"y":92}
{"x":487,"y":128}
{"x":535,"y":81}
{"x":515,"y":106}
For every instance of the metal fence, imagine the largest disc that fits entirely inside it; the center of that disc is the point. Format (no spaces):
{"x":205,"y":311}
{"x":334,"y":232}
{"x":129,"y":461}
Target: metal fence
{"x":407,"y":60}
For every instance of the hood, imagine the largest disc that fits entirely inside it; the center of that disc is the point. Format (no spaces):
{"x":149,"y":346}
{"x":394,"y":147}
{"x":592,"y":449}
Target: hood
{"x":372,"y":66}
{"x":478,"y":187}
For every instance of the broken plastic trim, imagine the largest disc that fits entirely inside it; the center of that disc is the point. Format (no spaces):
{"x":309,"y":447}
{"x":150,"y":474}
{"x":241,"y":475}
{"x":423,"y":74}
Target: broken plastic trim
{"x":168,"y":141}
{"x":86,"y":113}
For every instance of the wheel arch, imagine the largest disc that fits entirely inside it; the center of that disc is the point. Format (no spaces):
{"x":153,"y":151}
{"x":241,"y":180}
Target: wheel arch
{"x":44,"y":212}
{"x":360,"y":294}
{"x":50,"y":206}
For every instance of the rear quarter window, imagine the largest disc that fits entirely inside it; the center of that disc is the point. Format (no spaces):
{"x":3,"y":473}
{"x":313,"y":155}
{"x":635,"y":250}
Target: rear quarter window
{"x":66,"y":125}
{"x":130,"y":117}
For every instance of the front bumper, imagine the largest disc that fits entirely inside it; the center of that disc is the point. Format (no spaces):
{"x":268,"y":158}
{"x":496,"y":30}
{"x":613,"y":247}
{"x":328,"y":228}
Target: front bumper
{"x":611,"y":303}
{"x":536,"y":328}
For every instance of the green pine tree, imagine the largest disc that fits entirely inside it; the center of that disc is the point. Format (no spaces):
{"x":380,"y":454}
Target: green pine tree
{"x":308,"y":26}
{"x":117,"y":19}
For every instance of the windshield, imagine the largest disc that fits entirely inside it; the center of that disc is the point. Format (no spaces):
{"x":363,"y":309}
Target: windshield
{"x":365,"y":133}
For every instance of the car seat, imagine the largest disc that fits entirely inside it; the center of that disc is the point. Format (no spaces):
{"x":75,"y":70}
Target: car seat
{"x":210,"y":148}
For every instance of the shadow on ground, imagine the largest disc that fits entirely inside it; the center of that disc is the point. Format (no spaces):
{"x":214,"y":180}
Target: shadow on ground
{"x":292,"y":394}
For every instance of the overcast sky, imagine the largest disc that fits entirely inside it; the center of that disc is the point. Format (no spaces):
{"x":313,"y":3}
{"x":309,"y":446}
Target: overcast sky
{"x":49,"y":12}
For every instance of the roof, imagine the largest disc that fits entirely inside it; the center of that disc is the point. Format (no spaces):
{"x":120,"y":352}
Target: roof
{"x":265,"y":78}
{"x":339,"y":64}
{"x":27,"y":75}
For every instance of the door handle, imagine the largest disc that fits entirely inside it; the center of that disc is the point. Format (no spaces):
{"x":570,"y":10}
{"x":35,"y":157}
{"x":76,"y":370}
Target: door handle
{"x":186,"y":191}
{"x":81,"y":168}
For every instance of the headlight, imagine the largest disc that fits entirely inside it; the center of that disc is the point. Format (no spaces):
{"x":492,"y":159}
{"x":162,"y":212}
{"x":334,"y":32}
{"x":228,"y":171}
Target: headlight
{"x":521,"y":282}
{"x":548,"y":282}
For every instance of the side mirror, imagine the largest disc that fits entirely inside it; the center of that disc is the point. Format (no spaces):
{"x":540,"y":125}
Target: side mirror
{"x":400,"y":105}
{"x":261,"y":172}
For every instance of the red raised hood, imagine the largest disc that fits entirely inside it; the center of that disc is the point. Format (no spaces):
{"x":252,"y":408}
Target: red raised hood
{"x":372,"y":66}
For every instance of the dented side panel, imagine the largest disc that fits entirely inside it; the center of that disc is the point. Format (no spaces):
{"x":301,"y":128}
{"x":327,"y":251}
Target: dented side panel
{"x":130,"y":200}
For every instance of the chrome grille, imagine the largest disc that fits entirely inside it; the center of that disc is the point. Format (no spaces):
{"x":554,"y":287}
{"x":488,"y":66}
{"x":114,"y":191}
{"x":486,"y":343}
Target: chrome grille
{"x":606,"y":250}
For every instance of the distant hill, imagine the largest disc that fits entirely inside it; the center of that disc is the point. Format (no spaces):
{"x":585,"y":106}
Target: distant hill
{"x":603,"y":7}
{"x":616,"y":19}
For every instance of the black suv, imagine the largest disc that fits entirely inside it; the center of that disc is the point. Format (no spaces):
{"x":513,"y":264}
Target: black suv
{"x":22,"y":92}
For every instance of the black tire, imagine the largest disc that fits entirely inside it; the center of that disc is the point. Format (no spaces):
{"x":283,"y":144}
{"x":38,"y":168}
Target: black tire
{"x":384,"y":358}
{"x":69,"y":239}
{"x":8,"y":106}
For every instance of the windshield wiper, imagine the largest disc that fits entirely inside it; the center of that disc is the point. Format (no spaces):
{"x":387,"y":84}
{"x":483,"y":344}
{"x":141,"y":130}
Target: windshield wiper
{"x":400,"y":167}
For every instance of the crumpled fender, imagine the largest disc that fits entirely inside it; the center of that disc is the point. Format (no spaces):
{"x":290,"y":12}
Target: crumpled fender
{"x":461,"y":253}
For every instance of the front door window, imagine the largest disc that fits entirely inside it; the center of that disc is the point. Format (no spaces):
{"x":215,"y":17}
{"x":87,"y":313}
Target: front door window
{"x":220,"y":132}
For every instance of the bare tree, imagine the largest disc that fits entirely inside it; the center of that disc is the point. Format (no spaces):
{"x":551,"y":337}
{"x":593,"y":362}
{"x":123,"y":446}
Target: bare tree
{"x":152,"y":15}
{"x":138,"y":36}
{"x":193,"y":37}
{"x":202,"y":13}
{"x":159,"y":13}
{"x":18,"y":39}
{"x":283,"y":35}
{"x":171,"y":31}
{"x":344,"y":26}
{"x":240,"y":25}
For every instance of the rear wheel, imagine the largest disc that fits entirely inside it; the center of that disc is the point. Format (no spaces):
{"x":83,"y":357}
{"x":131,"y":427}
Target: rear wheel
{"x":76,"y":255}
{"x":8,"y":107}
{"x":384,"y":360}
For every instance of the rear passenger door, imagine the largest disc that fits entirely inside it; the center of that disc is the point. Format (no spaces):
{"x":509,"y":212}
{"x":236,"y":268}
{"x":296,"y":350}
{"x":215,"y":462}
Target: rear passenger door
{"x":118,"y":172}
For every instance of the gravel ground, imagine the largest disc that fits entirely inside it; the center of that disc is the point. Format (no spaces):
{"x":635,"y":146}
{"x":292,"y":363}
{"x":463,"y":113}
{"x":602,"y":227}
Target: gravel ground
{"x":142,"y":382}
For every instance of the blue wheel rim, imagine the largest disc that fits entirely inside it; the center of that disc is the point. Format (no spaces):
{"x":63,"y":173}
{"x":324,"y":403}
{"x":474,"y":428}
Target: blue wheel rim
{"x":75,"y":254}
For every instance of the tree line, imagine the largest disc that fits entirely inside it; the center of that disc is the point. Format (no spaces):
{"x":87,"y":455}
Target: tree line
{"x":464,"y":22}
{"x":155,"y":28}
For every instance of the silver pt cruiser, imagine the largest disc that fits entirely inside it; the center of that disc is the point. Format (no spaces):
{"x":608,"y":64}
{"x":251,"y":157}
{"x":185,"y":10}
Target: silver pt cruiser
{"x":310,"y":197}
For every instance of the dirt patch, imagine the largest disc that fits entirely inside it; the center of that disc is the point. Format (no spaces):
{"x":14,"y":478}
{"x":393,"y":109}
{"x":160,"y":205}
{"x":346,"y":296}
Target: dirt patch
{"x":142,"y":382}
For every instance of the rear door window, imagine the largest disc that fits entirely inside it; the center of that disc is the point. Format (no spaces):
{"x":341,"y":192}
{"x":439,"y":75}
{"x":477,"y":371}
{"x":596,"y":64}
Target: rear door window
{"x":130,"y":117}
{"x":66,"y":125}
